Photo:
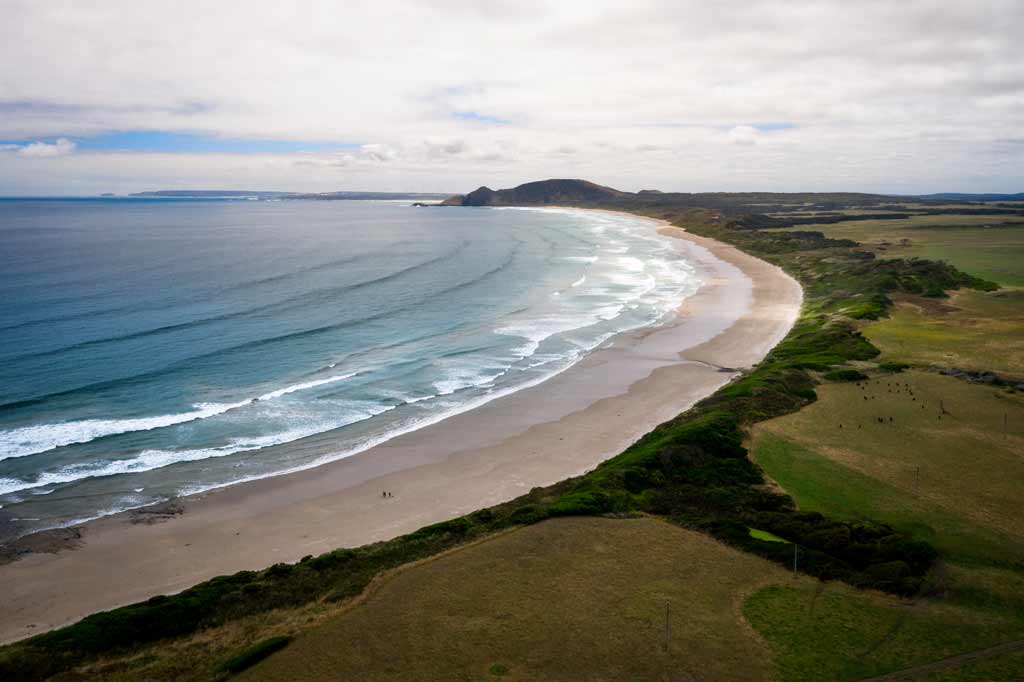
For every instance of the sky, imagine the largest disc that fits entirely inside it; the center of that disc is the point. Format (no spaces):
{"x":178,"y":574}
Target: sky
{"x":913,"y":96}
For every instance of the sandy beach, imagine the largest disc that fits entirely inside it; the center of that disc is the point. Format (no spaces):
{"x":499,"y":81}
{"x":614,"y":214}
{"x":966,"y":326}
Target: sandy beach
{"x":537,"y":436}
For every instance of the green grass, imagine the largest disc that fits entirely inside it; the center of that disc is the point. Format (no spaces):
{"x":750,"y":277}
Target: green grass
{"x":822,"y":485}
{"x":992,"y":253}
{"x":758,"y":534}
{"x":975,"y":330}
{"x":953,"y":481}
{"x":832,"y":633}
{"x":996,"y":669}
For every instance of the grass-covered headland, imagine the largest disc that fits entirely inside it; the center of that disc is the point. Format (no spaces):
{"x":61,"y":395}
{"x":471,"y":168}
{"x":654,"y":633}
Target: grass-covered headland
{"x":692,"y":470}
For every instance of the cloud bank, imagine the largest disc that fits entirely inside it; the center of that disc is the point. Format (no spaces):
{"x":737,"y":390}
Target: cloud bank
{"x":443,"y":95}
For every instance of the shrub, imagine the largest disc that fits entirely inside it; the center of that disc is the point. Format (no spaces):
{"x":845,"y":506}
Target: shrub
{"x":845,"y":375}
{"x":893,"y":367}
{"x":254,"y":654}
{"x":582,"y":504}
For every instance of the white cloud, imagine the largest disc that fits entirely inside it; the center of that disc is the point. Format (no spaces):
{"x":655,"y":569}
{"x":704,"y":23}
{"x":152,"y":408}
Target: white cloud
{"x":920,"y":94}
{"x":61,"y":147}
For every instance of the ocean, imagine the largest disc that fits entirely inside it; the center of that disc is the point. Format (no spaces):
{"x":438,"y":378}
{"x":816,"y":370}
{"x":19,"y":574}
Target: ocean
{"x":157,"y":348}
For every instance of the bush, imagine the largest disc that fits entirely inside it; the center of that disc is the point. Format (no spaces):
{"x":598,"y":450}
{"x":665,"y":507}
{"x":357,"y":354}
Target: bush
{"x":254,"y":654}
{"x":845,"y":375}
{"x":893,"y":367}
{"x":582,"y":504}
{"x":456,"y":526}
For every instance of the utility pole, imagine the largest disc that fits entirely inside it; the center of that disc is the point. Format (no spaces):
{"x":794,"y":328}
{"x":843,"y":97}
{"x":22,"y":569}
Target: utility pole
{"x":796,"y":548}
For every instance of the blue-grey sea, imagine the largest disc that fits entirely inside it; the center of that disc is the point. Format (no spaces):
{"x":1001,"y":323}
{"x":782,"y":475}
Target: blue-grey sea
{"x":154,"y":348}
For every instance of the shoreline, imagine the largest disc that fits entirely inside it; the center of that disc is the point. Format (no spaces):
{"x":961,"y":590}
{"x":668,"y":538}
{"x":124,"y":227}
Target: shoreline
{"x":484,"y":456}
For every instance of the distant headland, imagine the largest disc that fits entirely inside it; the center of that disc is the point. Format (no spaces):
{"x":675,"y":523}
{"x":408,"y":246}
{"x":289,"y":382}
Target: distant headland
{"x":576,"y":192}
{"x":262,"y":194}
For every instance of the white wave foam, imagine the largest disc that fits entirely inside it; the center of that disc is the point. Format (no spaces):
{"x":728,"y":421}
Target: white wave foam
{"x":578,"y":282}
{"x":301,"y":387}
{"x":147,"y":460}
{"x":465,"y":377}
{"x":31,"y":440}
{"x":658,"y":272}
{"x":395,"y":433}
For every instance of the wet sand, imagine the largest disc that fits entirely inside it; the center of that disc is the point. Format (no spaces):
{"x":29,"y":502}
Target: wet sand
{"x":491,"y":454}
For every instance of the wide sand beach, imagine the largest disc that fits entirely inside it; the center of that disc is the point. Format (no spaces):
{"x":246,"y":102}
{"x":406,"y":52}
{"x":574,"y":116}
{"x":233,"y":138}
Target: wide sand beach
{"x":537,"y":436}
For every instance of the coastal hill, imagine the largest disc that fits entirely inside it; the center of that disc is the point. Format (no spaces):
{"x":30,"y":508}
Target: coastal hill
{"x":584,"y":193}
{"x":542,"y":192}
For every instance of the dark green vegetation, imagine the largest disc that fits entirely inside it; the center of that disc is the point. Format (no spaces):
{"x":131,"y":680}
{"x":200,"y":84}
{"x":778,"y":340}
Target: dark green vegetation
{"x":692,"y":470}
{"x":252,"y":655}
{"x":845,"y":375}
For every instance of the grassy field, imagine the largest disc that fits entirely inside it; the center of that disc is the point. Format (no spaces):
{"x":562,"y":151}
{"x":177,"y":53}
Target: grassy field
{"x":568,"y":599}
{"x":1006,"y":667}
{"x":939,"y":464}
{"x":833,"y":633}
{"x":989,"y":247}
{"x":936,"y":457}
{"x":584,"y":598}
{"x":973,"y":330}
{"x":953,"y":481}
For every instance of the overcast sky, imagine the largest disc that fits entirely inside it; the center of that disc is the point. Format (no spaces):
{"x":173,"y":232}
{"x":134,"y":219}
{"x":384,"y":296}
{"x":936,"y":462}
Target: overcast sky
{"x":908,"y":96}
